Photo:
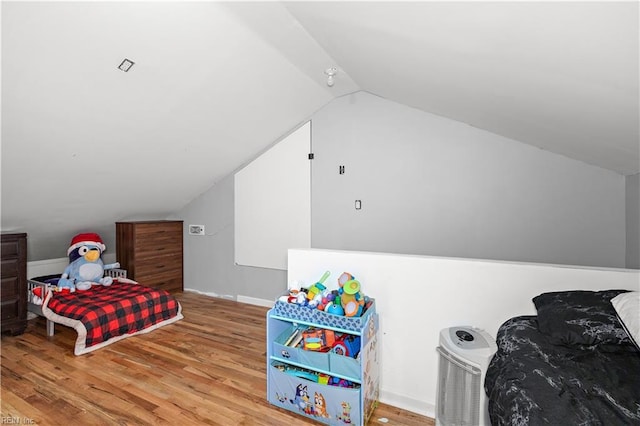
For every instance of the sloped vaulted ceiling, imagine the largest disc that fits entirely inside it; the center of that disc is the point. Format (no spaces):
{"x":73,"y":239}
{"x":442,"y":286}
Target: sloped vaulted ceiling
{"x":562,"y":76}
{"x":85,"y":144}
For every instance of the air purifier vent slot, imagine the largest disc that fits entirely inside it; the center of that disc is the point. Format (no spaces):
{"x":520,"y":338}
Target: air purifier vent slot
{"x":459,"y":387}
{"x":464,"y":356}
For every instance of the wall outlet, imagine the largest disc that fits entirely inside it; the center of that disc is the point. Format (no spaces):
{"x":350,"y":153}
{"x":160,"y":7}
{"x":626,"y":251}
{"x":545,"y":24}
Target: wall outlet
{"x":196,"y":229}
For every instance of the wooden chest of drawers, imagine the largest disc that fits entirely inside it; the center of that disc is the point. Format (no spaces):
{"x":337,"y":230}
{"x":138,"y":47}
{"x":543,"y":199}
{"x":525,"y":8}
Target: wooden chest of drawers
{"x":14,"y":283}
{"x":151,"y":252}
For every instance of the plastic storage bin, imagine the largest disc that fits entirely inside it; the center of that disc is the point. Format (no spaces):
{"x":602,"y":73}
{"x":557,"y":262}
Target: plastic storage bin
{"x":296,"y":378}
{"x":327,"y":404}
{"x":344,"y":366}
{"x":323,"y":319}
{"x":312,"y":359}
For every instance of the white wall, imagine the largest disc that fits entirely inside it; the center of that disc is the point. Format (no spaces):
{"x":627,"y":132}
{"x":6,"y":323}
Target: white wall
{"x":633,"y":221}
{"x":417,"y":296}
{"x":428,"y":185}
{"x":431,"y":185}
{"x":272,"y":203}
{"x":209,"y":264}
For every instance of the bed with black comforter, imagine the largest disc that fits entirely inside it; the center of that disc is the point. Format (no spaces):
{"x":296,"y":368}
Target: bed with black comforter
{"x":572,"y":364}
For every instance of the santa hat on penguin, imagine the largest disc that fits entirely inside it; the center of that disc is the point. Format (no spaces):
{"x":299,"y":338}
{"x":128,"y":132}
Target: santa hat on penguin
{"x":87,"y":238}
{"x":86,"y":267}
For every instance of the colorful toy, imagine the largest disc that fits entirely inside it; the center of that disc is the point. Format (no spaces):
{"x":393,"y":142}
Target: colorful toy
{"x":318,"y":287}
{"x":38,"y":296}
{"x":342,"y":279}
{"x":85,"y":264}
{"x":326,"y":297}
{"x":346,"y":345}
{"x":348,"y":300}
{"x":312,"y":340}
{"x":323,"y":379}
{"x":350,"y":287}
{"x":353,"y":305}
{"x":351,"y":298}
{"x":334,"y":307}
{"x":317,"y":339}
{"x":303,"y":374}
{"x":336,"y":381}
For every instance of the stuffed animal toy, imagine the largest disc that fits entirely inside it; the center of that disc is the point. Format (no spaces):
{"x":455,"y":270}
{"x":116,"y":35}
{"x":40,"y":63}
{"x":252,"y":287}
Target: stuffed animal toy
{"x":86,"y":267}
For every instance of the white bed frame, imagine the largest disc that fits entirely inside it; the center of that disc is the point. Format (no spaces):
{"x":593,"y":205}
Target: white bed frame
{"x":37,"y":308}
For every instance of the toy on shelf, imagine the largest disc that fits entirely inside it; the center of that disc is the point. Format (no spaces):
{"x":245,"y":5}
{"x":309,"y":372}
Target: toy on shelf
{"x":346,"y":345}
{"x":351,"y":298}
{"x":348,"y":300}
{"x":296,"y":294}
{"x":318,"y":287}
{"x":294,"y":338}
{"x":336,"y":381}
{"x":317,"y":339}
{"x":335,"y":307}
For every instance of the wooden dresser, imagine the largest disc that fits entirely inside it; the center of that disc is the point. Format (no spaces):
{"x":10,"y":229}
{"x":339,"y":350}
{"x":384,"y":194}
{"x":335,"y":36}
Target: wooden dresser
{"x":14,"y":282}
{"x":151,"y":252}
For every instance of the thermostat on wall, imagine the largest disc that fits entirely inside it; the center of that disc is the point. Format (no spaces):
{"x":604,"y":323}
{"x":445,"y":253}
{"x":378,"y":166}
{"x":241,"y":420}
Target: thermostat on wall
{"x":196,"y":229}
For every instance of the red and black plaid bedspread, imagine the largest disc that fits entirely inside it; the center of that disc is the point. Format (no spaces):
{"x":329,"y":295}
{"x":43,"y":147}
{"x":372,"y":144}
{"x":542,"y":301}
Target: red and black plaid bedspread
{"x":116,"y":310}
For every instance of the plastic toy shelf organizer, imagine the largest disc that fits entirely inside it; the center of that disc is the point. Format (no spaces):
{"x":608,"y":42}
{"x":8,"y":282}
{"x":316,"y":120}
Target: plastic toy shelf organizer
{"x":329,"y":386}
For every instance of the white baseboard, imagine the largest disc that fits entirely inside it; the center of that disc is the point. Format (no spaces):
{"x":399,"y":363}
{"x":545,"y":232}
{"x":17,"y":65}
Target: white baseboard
{"x":255,"y":301}
{"x":204,"y":293}
{"x":242,"y":299}
{"x":409,"y":404}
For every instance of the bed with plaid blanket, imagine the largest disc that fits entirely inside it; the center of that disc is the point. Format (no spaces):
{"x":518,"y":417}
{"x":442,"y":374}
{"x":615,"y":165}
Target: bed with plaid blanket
{"x":103,"y":315}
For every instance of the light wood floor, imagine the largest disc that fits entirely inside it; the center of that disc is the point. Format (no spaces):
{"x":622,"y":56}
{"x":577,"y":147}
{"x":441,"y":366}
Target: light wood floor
{"x":208,"y":368}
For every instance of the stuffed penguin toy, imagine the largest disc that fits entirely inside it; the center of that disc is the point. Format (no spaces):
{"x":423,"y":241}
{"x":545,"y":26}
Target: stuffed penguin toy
{"x":85,"y":264}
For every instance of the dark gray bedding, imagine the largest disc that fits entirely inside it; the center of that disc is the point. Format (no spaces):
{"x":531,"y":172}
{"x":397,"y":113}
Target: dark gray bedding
{"x":532,"y":381}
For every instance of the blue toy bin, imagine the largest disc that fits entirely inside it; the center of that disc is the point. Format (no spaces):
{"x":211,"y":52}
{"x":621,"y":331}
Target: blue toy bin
{"x":284,"y":389}
{"x":344,"y":365}
{"x":312,"y":359}
{"x":323,"y":319}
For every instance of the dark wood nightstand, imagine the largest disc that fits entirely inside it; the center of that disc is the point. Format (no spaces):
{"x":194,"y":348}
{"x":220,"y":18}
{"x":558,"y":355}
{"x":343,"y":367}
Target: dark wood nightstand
{"x":13,"y":303}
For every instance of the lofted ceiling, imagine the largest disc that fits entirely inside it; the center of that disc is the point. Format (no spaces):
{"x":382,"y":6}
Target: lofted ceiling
{"x":215,"y":83}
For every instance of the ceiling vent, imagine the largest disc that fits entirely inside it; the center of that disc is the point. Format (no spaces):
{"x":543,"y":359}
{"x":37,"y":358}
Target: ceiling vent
{"x":125,"y":65}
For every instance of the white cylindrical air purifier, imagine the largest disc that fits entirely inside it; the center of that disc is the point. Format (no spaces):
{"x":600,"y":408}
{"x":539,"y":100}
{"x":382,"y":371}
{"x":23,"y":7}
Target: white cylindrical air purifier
{"x":465,"y":354}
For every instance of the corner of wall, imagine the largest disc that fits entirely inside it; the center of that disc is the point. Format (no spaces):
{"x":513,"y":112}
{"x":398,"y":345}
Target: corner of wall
{"x":632,"y":212}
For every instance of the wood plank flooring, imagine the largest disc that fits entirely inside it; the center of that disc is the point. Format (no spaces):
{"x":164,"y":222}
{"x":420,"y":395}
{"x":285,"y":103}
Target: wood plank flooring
{"x":207,"y":369}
